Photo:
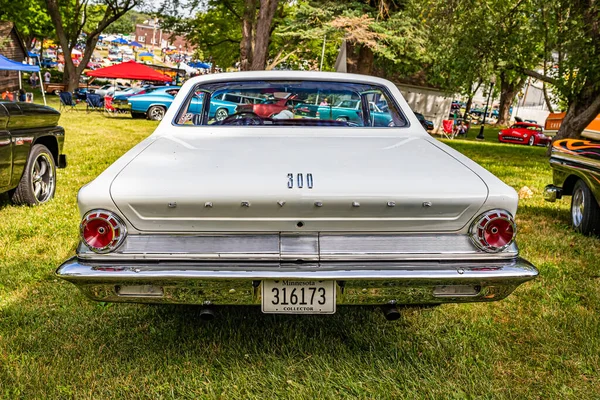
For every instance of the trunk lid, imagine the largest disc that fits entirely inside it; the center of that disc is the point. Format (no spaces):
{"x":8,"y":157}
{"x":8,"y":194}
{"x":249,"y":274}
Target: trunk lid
{"x":188,"y":183}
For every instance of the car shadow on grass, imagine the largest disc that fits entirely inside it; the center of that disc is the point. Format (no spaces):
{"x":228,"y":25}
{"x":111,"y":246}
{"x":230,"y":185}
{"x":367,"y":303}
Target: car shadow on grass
{"x":4,"y":201}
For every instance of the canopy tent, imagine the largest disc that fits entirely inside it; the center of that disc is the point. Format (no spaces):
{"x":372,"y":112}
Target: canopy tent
{"x":119,"y":41}
{"x":129,"y":70}
{"x":10,"y":65}
{"x":198,"y":64}
{"x":188,"y":70}
{"x":7,"y":64}
{"x":135,"y":44}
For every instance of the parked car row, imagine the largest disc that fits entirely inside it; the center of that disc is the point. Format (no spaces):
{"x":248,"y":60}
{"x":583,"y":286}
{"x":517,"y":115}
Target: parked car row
{"x":154,"y":103}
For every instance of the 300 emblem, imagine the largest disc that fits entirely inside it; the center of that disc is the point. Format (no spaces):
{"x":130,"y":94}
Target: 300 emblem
{"x":298,"y":181}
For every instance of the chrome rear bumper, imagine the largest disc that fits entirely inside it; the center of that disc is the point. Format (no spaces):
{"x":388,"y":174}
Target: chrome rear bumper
{"x":419,"y":282}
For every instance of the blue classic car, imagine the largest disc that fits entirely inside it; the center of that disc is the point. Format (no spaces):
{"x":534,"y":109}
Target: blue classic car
{"x":346,"y":110}
{"x":154,"y":105}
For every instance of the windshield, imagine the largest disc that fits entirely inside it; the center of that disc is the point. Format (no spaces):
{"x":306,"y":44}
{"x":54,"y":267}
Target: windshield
{"x":293,"y":102}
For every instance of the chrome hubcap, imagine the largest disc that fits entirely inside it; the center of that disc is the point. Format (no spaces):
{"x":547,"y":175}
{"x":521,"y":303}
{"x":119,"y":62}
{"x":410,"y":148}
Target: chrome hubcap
{"x":531,"y":141}
{"x":42,"y":178}
{"x":577,"y":208}
{"x":156,"y":114}
{"x":221,"y":115}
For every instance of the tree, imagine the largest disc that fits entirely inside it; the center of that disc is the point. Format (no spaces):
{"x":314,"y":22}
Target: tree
{"x":70,"y":17}
{"x":572,"y":30}
{"x":381,"y":36}
{"x":126,"y":24}
{"x":475,"y":41}
{"x":30,"y":17}
{"x":220,"y":25}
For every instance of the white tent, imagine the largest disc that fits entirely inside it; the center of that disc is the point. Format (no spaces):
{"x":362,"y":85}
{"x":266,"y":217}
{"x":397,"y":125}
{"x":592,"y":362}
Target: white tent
{"x":188,"y":70}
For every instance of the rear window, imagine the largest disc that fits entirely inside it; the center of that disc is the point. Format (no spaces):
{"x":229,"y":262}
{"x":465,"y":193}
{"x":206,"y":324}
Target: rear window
{"x":290,"y":103}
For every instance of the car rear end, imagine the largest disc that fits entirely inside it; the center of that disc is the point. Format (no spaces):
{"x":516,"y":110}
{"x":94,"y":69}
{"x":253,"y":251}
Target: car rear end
{"x":296,"y":220}
{"x":347,"y":231}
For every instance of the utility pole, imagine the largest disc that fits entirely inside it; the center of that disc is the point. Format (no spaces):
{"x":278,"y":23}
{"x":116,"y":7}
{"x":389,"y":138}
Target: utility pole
{"x":323,"y":53}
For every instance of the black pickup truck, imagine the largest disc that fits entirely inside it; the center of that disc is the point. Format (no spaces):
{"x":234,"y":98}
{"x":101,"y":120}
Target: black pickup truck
{"x":31,"y":144}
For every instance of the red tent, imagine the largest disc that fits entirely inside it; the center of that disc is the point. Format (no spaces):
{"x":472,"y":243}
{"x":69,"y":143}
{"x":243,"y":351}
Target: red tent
{"x":129,"y":70}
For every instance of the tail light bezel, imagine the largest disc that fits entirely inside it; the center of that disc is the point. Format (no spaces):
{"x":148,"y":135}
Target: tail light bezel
{"x":118,"y":228}
{"x":480,"y":223}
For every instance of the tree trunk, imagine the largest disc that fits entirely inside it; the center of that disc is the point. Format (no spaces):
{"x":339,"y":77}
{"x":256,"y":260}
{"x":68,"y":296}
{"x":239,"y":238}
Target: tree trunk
{"x":246,"y":43}
{"x":581,"y":112}
{"x":263,"y":33}
{"x":365,"y":60}
{"x":546,"y":97}
{"x":508,"y":91}
{"x":68,"y":39}
{"x":352,"y":57}
{"x":470,"y":99}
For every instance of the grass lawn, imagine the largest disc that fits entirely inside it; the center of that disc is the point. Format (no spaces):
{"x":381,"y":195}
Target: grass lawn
{"x":541,"y":342}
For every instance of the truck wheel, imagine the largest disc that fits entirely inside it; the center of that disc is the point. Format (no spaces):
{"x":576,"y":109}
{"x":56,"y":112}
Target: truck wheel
{"x":156,"y":113}
{"x":38,"y":182}
{"x":585,"y":212}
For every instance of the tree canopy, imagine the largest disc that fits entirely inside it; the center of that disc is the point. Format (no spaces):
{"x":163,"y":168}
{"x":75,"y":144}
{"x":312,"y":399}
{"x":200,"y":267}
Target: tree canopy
{"x":455,"y":45}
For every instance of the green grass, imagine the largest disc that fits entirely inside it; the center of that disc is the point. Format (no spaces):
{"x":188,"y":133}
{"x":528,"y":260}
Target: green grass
{"x":541,"y":342}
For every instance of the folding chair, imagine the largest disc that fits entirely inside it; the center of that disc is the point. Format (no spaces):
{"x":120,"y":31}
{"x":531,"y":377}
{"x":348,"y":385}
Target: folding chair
{"x":448,"y":128}
{"x":108,"y":107}
{"x":66,"y":101}
{"x":94,"y":102}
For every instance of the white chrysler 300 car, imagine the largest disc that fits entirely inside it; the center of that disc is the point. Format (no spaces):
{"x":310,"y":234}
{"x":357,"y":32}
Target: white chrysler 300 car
{"x":296,"y":210}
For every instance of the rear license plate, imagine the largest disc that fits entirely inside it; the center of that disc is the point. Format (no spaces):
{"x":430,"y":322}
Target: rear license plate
{"x":298,"y":297}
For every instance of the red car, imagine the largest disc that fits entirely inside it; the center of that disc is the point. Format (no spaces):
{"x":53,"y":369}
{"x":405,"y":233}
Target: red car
{"x":524,"y":133}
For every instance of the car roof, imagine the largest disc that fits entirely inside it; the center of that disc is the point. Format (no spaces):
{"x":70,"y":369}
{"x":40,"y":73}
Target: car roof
{"x":284,"y":74}
{"x":527,"y":124}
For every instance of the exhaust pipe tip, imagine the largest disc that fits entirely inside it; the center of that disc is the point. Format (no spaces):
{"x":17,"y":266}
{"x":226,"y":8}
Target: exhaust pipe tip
{"x":390,"y":313}
{"x":206,"y":314}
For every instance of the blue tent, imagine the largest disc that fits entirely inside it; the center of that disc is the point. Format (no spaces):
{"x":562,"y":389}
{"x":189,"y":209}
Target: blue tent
{"x":135,"y":44}
{"x":119,"y":41}
{"x":198,"y":64}
{"x":10,"y":65}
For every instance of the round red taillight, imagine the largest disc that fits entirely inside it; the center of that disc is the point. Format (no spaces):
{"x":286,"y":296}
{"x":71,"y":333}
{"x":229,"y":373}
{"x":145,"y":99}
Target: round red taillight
{"x":102,"y":231}
{"x":493,"y":231}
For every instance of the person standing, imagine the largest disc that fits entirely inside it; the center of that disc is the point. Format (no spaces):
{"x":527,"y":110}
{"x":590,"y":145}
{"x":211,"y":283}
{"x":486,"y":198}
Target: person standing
{"x":34,"y":81}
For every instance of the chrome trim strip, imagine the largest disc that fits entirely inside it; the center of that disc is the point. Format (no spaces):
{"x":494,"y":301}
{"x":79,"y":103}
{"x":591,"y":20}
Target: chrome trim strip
{"x":239,"y":284}
{"x":385,"y":246}
{"x":299,"y":247}
{"x":290,"y":247}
